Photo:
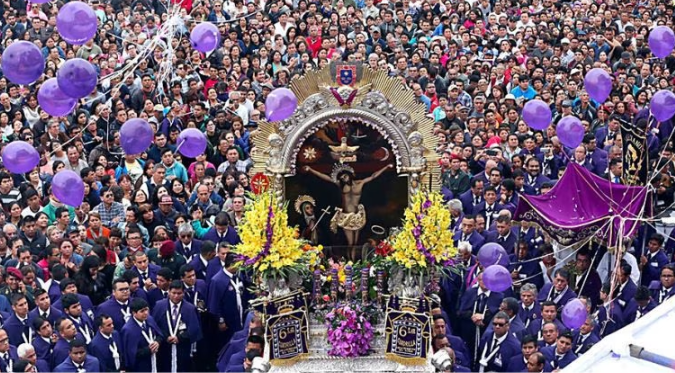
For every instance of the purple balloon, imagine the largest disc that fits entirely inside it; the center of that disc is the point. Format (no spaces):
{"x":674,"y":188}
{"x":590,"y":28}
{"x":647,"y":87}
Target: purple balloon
{"x":77,"y":78}
{"x":136,"y":136}
{"x":661,"y":41}
{"x":280,"y":104}
{"x":497,"y":278}
{"x":537,"y":114}
{"x":20,"y":157}
{"x":493,"y":253}
{"x":52,"y":99}
{"x":570,"y":131}
{"x":574,"y":313}
{"x":598,"y":84}
{"x":22,"y":62}
{"x":76,"y":22}
{"x":68,"y":188}
{"x":191,"y":142}
{"x":662,"y":105}
{"x":205,"y":37}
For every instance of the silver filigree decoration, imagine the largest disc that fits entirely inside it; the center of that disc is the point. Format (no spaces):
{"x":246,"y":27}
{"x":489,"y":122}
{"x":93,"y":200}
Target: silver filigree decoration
{"x":377,"y":102}
{"x":275,"y":160}
{"x":309,"y":107}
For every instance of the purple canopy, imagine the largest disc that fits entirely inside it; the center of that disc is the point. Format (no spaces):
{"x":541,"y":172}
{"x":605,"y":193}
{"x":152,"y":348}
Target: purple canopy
{"x":581,"y":205}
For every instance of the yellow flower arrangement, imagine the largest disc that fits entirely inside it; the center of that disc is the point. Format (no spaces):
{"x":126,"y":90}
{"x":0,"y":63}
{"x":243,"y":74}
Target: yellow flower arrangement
{"x":269,"y":246}
{"x":425,"y":239}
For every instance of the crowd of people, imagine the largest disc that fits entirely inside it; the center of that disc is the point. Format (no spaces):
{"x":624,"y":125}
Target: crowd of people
{"x":140,"y":277}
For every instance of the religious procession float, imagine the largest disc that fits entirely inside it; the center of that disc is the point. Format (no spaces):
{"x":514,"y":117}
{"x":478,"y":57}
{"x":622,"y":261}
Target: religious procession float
{"x":354,"y":284}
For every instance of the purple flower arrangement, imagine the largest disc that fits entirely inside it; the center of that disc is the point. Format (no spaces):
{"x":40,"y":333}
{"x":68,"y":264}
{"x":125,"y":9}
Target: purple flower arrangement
{"x":269,"y":234}
{"x":417,"y":232}
{"x":349,"y":331}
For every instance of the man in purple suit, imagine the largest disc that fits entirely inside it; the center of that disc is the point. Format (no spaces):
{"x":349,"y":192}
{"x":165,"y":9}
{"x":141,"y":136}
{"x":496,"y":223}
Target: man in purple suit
{"x":17,"y":327}
{"x":528,"y":346}
{"x":218,"y":262}
{"x":549,"y":313}
{"x":78,"y":360}
{"x":26,"y":353}
{"x":107,"y":345}
{"x":533,"y":178}
{"x":7,"y":353}
{"x":665,"y":288}
{"x":67,"y":334}
{"x":141,"y":338}
{"x":559,"y":291}
{"x":223,"y":231}
{"x":226,"y":301}
{"x":179,"y":323}
{"x":477,"y":306}
{"x":117,"y":306}
{"x":472,"y":197}
{"x":489,"y":208}
{"x":608,"y":317}
{"x":561,"y":355}
{"x":44,"y":307}
{"x":529,"y":307}
{"x":585,"y":337}
{"x":147,"y":271}
{"x":201,"y":261}
{"x":469,"y":234}
{"x":72,"y":310}
{"x":186,"y":244}
{"x":44,"y":339}
{"x":588,"y":282}
{"x":503,"y":234}
{"x":595,"y":155}
{"x":641,"y":304}
{"x":626,"y":288}
{"x":68,"y":286}
{"x":652,"y":262}
{"x":238,"y":362}
{"x":497,"y":347}
{"x":608,"y":132}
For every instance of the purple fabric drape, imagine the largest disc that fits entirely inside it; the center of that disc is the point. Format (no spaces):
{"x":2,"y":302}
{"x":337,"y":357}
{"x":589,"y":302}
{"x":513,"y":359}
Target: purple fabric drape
{"x":582,"y":205}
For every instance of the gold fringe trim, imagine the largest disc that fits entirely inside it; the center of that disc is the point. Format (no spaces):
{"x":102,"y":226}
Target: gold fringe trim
{"x":289,"y":361}
{"x":407,"y":361}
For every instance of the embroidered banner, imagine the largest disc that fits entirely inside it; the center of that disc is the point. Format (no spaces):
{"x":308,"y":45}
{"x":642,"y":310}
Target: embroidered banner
{"x":407,"y":330}
{"x":635,"y":154}
{"x":287,"y":337}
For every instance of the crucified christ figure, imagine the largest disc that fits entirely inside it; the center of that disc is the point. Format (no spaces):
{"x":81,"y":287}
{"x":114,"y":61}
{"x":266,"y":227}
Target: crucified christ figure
{"x":351,"y":217}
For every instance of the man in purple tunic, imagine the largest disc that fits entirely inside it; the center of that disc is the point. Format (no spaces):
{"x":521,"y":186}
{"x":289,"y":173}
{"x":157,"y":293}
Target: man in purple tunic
{"x":141,"y":338}
{"x":107,"y":345}
{"x":117,"y":306}
{"x":179,"y":323}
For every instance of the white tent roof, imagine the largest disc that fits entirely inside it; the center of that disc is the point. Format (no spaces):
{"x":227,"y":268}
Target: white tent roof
{"x":654,"y":332}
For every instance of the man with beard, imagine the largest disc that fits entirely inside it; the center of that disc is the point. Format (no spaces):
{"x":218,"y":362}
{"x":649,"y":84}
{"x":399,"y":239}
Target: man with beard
{"x":351,"y":217}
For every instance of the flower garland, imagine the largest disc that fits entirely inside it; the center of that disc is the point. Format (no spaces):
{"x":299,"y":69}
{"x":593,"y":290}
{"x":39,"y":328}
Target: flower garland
{"x":349,"y":331}
{"x":425,"y":239}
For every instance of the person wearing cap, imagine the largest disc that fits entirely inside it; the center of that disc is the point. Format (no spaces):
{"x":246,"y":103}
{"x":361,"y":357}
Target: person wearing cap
{"x":375,"y":38}
{"x":14,"y":285}
{"x":166,"y":213}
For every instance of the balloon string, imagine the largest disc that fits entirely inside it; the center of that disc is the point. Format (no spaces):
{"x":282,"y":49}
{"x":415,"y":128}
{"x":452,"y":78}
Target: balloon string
{"x":179,"y":145}
{"x":62,"y":145}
